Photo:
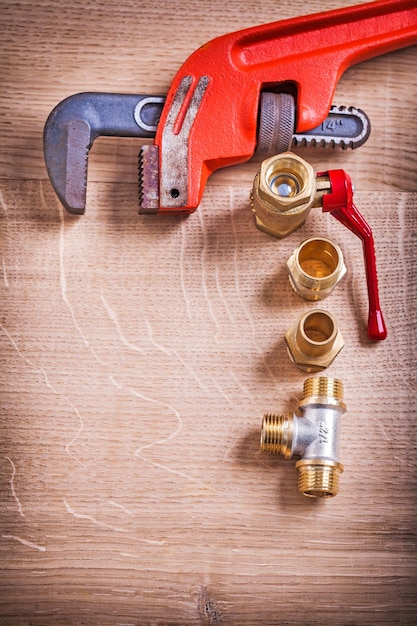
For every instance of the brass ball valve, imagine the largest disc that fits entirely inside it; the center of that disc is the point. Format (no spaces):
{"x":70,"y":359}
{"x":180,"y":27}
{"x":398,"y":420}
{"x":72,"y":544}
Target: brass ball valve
{"x":314,"y":436}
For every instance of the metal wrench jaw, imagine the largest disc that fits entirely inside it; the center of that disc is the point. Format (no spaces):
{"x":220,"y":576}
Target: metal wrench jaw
{"x":344,"y":127}
{"x":76,"y":122}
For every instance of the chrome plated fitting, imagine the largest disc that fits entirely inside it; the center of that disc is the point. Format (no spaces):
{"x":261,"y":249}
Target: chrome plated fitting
{"x":314,"y":341}
{"x":284,"y":190}
{"x":314,"y":436}
{"x":315,"y":268}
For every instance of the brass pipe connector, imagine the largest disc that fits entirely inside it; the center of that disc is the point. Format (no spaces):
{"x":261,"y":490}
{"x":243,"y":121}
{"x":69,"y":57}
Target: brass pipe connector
{"x":314,"y":437}
{"x":314,"y":341}
{"x":315,"y":268}
{"x":284,"y":190}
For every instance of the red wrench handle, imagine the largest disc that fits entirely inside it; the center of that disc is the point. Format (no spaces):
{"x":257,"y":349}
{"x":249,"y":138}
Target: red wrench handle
{"x":210,"y":116}
{"x":314,"y":51}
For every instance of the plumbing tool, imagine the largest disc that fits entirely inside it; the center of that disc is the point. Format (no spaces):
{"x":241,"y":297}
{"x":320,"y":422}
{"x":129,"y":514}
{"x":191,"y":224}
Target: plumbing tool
{"x":210,"y":116}
{"x":76,"y":122}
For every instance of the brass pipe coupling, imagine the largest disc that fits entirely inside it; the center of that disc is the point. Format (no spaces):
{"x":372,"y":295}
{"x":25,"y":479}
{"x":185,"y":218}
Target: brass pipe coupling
{"x":315,"y":268}
{"x":314,"y":341}
{"x":314,"y":436}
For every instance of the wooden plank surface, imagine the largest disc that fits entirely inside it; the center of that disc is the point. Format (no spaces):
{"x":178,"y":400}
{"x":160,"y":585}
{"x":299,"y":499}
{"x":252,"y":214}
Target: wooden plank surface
{"x":138,"y":355}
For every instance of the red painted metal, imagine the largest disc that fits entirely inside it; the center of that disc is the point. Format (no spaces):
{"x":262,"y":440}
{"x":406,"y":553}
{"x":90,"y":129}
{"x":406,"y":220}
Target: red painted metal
{"x":306,"y":55}
{"x":339,"y":203}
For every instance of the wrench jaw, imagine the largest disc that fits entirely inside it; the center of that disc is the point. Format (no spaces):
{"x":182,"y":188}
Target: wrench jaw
{"x":67,"y":141}
{"x":169,"y":189}
{"x":344,"y":127}
{"x":148,"y":180}
{"x":76,"y":122}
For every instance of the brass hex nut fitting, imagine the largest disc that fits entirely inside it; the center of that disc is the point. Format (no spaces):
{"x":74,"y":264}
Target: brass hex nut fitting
{"x":283,"y":193}
{"x":314,"y":341}
{"x":315,"y":268}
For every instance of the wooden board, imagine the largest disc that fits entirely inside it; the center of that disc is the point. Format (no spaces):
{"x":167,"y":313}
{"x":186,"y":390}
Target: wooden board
{"x":138,"y":355}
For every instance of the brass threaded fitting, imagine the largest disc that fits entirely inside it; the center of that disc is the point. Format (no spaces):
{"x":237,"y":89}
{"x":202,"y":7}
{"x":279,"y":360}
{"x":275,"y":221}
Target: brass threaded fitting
{"x":276,"y":434}
{"x":323,"y":387}
{"x":282,"y":195}
{"x":314,"y":436}
{"x":314,"y":340}
{"x":315,"y":268}
{"x":318,"y":480}
{"x":316,"y":333}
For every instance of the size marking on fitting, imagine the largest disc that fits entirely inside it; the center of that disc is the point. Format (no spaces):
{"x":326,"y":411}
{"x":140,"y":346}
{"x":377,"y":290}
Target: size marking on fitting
{"x":323,"y":433}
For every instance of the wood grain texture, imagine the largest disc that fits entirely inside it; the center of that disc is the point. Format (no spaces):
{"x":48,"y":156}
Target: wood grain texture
{"x":139,"y":353}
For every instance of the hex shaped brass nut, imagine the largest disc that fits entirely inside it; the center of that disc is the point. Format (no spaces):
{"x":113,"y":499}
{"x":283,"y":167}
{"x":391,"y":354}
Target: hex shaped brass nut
{"x":314,"y":341}
{"x":282,"y":195}
{"x":315,"y":268}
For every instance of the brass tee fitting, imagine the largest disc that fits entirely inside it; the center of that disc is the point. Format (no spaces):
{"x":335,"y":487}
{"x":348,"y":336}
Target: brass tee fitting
{"x":314,"y":341}
{"x":284,"y":190}
{"x":315,"y":268}
{"x":314,"y":436}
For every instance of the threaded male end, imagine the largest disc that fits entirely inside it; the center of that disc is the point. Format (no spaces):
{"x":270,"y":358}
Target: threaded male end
{"x":277,"y":434}
{"x":315,"y":268}
{"x":319,"y":479}
{"x":323,"y":387}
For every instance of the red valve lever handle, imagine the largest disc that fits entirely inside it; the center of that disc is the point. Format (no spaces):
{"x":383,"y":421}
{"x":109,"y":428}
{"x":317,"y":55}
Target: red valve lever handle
{"x":340,"y":204}
{"x":210,"y":116}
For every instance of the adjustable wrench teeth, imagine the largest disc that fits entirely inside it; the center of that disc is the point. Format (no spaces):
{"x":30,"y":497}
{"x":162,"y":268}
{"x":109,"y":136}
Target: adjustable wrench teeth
{"x":148,"y":161}
{"x":78,"y":148}
{"x":140,"y":179}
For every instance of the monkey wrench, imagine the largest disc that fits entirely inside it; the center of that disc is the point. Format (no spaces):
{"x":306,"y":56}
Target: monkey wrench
{"x":210,"y":116}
